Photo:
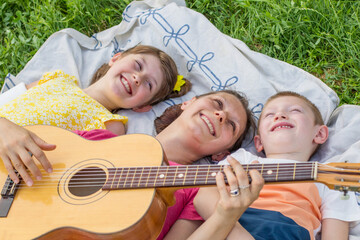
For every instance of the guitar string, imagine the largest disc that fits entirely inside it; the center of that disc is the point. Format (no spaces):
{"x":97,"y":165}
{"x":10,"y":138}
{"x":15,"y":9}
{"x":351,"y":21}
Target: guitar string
{"x":151,"y":170}
{"x":155,"y":178}
{"x":151,"y":180}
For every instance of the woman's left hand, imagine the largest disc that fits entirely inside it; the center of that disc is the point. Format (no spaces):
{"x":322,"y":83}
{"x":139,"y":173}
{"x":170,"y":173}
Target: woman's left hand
{"x":240,"y":194}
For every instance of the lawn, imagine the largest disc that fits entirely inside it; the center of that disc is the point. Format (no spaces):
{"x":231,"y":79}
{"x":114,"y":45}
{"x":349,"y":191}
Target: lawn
{"x":321,"y":36}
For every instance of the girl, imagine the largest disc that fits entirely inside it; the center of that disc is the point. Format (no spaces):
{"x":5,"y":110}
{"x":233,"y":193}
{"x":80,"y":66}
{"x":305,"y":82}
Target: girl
{"x":134,"y":79}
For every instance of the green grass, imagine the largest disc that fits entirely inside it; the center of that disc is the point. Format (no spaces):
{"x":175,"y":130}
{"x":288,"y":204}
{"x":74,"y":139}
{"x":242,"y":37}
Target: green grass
{"x":319,"y":36}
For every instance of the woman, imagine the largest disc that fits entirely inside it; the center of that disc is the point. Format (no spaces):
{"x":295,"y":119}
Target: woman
{"x":208,"y":125}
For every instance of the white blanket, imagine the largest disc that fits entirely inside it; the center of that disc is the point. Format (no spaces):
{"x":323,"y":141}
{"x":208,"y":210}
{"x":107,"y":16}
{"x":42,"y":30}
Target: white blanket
{"x":209,"y":59}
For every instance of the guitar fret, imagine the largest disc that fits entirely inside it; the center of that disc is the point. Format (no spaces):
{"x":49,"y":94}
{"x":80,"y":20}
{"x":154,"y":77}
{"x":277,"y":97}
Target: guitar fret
{"x":177,"y":167}
{"x":147,"y":179}
{"x":185,"y":175}
{"x":277,"y":172}
{"x":294,"y":171}
{"x":156,"y":177}
{"x":133,"y":176}
{"x":165,"y":176}
{"x":140,"y":178}
{"x":119,"y":179}
{"x":125,"y":180}
{"x":196,"y":173}
{"x":114,"y":177}
{"x":207,"y":175}
{"x":137,"y":178}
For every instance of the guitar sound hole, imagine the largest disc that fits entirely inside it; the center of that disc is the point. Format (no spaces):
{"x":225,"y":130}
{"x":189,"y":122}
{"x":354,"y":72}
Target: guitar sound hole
{"x":87,"y":181}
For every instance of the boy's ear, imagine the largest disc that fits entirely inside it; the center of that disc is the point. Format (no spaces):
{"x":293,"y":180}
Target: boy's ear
{"x":114,"y":58}
{"x":258,"y":144}
{"x":142,"y":109}
{"x":220,"y":156}
{"x":187,"y":103}
{"x":322,"y":134}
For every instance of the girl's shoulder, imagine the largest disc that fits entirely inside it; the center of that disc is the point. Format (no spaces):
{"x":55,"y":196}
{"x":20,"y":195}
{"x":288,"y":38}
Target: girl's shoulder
{"x":58,"y":75}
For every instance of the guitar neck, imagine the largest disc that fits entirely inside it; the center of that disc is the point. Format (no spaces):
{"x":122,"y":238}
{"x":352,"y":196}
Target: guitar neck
{"x":201,"y":175}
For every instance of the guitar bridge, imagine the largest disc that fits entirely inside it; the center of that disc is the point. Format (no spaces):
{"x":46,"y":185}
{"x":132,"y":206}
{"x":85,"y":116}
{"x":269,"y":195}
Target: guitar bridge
{"x":7,"y":196}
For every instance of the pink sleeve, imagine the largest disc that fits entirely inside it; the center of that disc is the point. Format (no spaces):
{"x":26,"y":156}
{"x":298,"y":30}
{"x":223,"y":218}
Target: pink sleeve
{"x":96,"y":134}
{"x":189,"y":211}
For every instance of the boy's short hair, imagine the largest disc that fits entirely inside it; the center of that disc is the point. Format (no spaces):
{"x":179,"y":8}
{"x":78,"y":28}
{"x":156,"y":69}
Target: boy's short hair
{"x":318,"y":117}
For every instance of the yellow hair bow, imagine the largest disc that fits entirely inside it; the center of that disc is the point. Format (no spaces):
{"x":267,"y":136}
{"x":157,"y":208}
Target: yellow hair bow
{"x":179,"y":82}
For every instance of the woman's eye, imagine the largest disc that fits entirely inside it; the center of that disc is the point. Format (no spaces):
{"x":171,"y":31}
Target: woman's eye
{"x":233,"y":125}
{"x":220,"y":104}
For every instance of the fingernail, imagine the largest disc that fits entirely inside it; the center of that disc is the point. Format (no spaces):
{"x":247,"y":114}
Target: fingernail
{"x":38,"y":177}
{"x":29,"y":183}
{"x":49,"y":170}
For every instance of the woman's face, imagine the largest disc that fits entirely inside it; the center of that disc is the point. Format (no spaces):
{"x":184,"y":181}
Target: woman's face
{"x":214,"y":122}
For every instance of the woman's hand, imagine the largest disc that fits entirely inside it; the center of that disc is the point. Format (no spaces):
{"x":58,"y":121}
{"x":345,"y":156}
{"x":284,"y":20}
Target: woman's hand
{"x":17,"y":145}
{"x":236,"y":198}
{"x":222,"y":207}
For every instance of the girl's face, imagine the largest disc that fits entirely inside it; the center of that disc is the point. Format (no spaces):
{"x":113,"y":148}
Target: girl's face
{"x":133,"y":79}
{"x":215,"y":122}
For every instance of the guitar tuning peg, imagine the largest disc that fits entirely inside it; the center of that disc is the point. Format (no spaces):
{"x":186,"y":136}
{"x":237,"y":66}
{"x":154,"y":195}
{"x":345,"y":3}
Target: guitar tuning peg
{"x":346,"y":195}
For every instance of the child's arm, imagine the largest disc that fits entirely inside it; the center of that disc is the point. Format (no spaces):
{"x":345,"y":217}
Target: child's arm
{"x":33,"y":84}
{"x":116,"y":127}
{"x":16,"y":144}
{"x":334,"y":229}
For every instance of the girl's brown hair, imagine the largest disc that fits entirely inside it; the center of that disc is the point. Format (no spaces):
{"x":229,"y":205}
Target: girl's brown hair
{"x":173,"y":112}
{"x":168,"y":68}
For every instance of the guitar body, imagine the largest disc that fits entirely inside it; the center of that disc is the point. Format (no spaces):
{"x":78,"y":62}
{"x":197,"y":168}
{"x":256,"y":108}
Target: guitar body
{"x":54,"y":209}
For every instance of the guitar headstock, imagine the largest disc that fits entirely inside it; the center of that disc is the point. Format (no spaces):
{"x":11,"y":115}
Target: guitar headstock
{"x":340,"y":176}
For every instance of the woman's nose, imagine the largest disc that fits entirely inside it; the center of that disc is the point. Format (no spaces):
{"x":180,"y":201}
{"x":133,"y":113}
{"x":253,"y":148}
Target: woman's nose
{"x":220,"y":115}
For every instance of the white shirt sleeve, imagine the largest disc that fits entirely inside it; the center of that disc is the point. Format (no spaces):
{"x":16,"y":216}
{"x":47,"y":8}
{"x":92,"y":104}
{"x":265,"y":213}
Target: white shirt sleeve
{"x":334,"y":205}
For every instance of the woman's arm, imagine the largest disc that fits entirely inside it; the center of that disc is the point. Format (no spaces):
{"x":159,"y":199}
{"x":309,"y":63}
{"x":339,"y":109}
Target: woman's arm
{"x":226,"y":209}
{"x":334,"y":229}
{"x":16,"y":145}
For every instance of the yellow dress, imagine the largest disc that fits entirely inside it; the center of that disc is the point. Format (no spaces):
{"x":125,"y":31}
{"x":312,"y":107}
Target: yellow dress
{"x":57,"y":100}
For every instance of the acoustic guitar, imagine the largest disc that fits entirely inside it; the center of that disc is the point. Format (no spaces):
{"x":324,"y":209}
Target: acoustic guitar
{"x":119,"y":188}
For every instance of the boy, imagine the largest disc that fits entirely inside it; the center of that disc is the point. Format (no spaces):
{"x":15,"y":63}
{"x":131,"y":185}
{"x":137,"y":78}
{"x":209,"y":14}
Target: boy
{"x":290,"y":129}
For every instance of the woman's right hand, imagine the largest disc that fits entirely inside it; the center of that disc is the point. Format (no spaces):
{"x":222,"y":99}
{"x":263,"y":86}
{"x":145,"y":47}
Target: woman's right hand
{"x":16,"y":147}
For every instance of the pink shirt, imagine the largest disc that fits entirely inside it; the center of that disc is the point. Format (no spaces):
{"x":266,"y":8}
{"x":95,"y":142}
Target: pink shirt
{"x":183,"y":208}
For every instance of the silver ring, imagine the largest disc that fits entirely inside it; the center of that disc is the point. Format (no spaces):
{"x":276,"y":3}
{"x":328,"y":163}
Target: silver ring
{"x":244,"y":186}
{"x":235,"y":192}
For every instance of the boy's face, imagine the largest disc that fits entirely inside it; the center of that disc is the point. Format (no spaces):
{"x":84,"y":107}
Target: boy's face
{"x":213,"y":123}
{"x":134,"y":79}
{"x":287,"y":124}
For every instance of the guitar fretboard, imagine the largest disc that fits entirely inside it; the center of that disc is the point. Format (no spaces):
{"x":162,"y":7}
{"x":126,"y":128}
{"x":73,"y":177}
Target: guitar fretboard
{"x":200,"y":175}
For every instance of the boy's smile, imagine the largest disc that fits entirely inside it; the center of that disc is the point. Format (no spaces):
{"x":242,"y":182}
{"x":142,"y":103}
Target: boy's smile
{"x":281,"y":125}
